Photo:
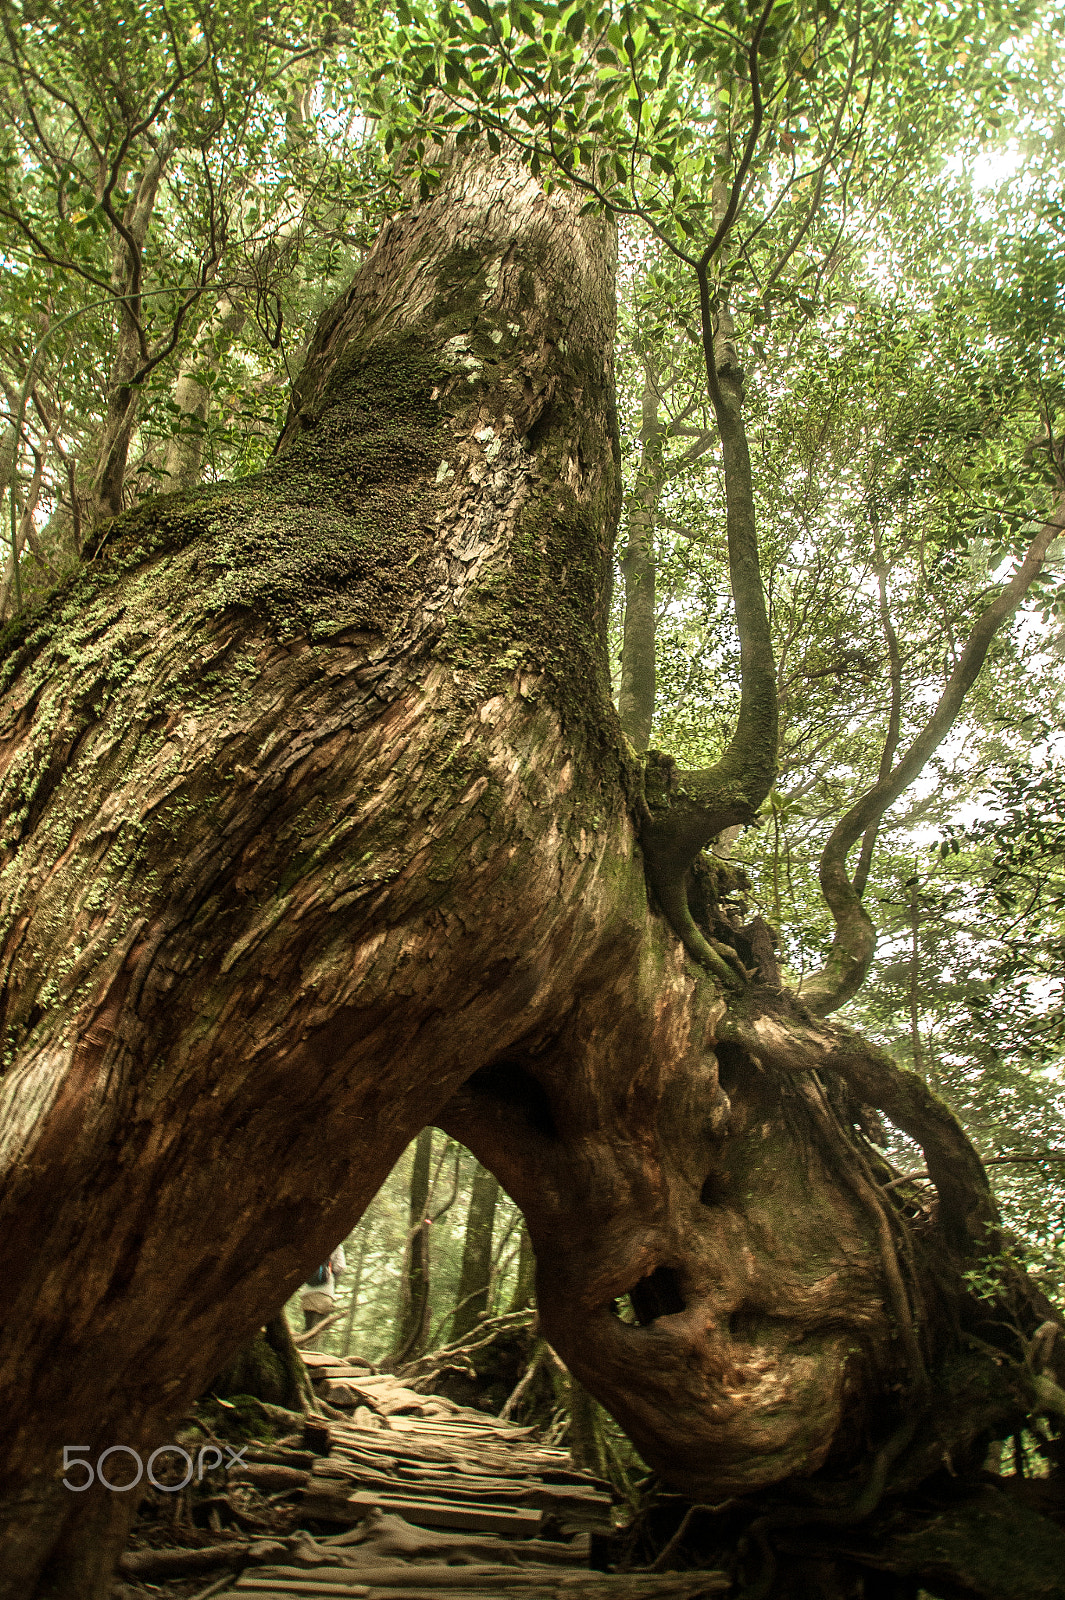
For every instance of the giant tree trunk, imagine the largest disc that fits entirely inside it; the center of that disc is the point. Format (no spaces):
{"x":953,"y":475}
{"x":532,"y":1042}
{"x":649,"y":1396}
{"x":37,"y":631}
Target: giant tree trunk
{"x":319,"y":827}
{"x":314,"y":803}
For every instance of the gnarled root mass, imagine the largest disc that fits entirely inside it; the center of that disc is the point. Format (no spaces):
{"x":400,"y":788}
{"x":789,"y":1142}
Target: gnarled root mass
{"x":787,"y":1327}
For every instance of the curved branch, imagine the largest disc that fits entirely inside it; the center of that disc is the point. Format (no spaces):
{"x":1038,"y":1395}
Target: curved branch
{"x":854,"y":941}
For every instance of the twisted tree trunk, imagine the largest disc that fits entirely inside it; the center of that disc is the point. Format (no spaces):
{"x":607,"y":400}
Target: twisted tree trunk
{"x":313,"y":802}
{"x":318,"y":826}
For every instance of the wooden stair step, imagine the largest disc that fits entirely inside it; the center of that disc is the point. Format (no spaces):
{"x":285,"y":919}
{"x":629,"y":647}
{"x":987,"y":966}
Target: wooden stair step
{"x":446,"y":1514}
{"x":299,"y":1588}
{"x":341,"y":1505}
{"x":405,"y":1575}
{"x":421,"y":1448}
{"x":267,"y":1589}
{"x":467,"y":1487}
{"x":406,"y":1583}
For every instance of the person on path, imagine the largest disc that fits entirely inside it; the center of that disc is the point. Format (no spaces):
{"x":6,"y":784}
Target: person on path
{"x":319,"y":1293}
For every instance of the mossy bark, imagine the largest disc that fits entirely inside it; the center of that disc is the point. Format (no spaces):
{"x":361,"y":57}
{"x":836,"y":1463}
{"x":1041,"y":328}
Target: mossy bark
{"x":268,"y":1368}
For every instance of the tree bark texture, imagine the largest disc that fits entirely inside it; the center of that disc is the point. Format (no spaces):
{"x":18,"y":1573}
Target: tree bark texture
{"x":319,"y":826}
{"x":525,"y":1283}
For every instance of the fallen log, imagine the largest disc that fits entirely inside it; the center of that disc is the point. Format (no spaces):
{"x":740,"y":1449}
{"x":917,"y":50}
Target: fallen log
{"x":269,"y":1476}
{"x":185,"y":1563}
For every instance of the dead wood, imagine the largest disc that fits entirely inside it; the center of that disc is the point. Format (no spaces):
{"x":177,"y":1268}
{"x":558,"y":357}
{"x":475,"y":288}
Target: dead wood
{"x":299,"y":1339}
{"x":270,"y":1476}
{"x":185,"y":1563}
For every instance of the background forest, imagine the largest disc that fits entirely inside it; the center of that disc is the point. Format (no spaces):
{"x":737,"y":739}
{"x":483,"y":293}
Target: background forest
{"x":183,"y":188}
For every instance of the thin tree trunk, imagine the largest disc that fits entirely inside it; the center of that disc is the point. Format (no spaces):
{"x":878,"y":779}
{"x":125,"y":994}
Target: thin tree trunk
{"x":108,"y":474}
{"x":687,"y":810}
{"x":471,"y":1299}
{"x":183,"y":463}
{"x":353,"y":1304}
{"x":525,"y":1284}
{"x":636,"y":700}
{"x":584,"y":1443}
{"x":854,"y":940}
{"x":916,"y":1042}
{"x":412,"y":1312}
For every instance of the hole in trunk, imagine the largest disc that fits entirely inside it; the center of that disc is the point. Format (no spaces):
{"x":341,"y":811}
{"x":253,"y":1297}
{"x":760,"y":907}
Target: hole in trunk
{"x":714,"y":1191}
{"x":657,"y":1295}
{"x":748,"y":1324}
{"x":512,"y":1086}
{"x":540,"y":429}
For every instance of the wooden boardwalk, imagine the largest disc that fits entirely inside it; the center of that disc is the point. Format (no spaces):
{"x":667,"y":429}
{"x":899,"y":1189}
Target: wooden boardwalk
{"x":427,"y":1500}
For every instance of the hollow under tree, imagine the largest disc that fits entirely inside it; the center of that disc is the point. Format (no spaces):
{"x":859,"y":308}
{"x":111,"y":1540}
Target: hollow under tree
{"x":319,"y":826}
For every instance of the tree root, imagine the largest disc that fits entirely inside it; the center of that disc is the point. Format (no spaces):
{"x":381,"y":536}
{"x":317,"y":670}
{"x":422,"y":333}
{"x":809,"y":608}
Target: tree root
{"x":795,"y":1042}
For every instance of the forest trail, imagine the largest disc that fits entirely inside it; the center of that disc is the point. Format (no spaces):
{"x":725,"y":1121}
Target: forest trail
{"x":436,"y":1500}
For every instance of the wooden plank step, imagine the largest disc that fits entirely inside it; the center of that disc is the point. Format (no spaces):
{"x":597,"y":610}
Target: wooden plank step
{"x":468,"y":1486}
{"x":406,"y":1584}
{"x":272,"y":1590}
{"x":415,"y":1472}
{"x":326,"y":1358}
{"x":318,"y":1503}
{"x":403,"y":1575}
{"x":300,"y":1589}
{"x":504,"y":1432}
{"x":442,"y":1514}
{"x":418,"y":1447}
{"x":463,"y":1426}
{"x":411,"y":1474}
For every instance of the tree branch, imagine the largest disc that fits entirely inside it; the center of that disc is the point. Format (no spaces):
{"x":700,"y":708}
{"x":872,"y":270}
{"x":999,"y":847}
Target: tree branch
{"x":855,"y":937}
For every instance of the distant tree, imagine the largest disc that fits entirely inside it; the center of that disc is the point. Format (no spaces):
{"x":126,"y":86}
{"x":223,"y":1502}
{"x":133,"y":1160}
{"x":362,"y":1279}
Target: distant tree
{"x":471,"y":1300}
{"x":412,"y":1315}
